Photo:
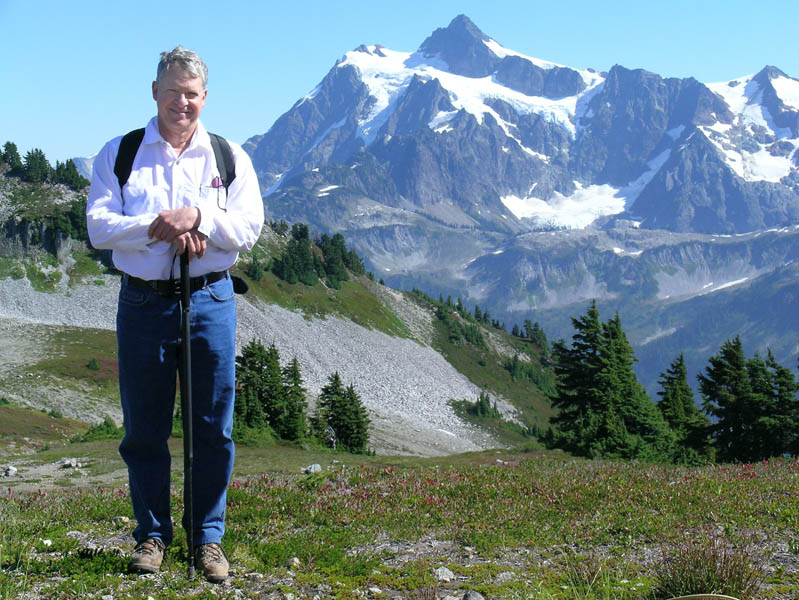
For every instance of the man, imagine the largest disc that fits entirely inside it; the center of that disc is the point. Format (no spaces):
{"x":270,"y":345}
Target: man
{"x":174,"y":202}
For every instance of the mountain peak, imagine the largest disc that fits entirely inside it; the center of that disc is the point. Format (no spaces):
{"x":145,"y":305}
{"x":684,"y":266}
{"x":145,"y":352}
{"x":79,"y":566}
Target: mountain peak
{"x":463,"y":24}
{"x":462,"y":46}
{"x":768,"y":73}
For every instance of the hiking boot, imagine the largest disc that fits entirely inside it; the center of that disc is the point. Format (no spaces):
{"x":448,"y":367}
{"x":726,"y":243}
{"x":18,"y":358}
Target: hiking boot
{"x":212,"y":561}
{"x":147,"y":556}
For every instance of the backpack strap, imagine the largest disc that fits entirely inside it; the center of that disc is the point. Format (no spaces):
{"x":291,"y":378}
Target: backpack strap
{"x":224,"y":159}
{"x":128,"y":148}
{"x":131,"y":141}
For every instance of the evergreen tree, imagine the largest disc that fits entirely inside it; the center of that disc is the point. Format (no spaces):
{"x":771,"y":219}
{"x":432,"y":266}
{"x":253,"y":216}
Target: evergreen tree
{"x":483,"y":407}
{"x":649,"y":435}
{"x":786,"y":408}
{"x":354,"y":433}
{"x":331,"y":404}
{"x":256,"y":268}
{"x":273,"y":400}
{"x":293,"y":426}
{"x":538,"y":337}
{"x":602,"y":408}
{"x":12,"y":158}
{"x":774,"y":402}
{"x":727,"y":396}
{"x":251,"y":386}
{"x":341,"y":409}
{"x":754,"y":402}
{"x":514,"y":367}
{"x":579,"y":399}
{"x":67,"y":173}
{"x":297,"y":262}
{"x":37,"y":169}
{"x":354,"y":262}
{"x":690,"y":426}
{"x":334,"y":251}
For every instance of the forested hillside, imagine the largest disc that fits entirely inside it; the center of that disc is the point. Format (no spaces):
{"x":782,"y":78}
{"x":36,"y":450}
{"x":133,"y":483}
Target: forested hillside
{"x":581,"y":396}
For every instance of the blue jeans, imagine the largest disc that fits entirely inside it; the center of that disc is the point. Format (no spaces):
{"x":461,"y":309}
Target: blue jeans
{"x":148,"y":335}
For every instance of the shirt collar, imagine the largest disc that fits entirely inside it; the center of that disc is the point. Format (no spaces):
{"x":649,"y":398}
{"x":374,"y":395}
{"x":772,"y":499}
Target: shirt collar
{"x":153,"y":136}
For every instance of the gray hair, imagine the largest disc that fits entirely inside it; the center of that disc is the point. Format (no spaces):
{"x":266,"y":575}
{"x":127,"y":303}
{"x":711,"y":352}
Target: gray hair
{"x":186,"y":60}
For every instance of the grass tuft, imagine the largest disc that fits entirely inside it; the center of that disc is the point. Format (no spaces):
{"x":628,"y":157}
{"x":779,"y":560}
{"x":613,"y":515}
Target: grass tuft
{"x":708,"y":562}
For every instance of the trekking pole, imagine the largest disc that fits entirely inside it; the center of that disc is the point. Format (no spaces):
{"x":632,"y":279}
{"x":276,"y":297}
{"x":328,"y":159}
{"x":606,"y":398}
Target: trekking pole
{"x":185,"y":403}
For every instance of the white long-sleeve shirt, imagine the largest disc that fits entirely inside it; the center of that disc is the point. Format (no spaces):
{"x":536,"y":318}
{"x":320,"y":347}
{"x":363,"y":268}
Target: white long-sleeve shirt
{"x":161,"y":180}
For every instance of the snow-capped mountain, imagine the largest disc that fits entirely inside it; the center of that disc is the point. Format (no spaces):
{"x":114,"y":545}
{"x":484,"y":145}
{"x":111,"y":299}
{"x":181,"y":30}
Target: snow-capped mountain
{"x":474,"y":134}
{"x":529,"y":187}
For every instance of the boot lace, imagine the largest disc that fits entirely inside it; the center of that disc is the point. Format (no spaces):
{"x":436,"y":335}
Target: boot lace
{"x":211,"y":553}
{"x":149,"y":547}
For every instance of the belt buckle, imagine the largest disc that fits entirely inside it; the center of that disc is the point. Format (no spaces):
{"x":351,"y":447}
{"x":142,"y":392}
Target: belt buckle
{"x":165,"y":287}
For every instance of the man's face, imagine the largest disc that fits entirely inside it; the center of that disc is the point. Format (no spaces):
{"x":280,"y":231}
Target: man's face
{"x":180,"y":98}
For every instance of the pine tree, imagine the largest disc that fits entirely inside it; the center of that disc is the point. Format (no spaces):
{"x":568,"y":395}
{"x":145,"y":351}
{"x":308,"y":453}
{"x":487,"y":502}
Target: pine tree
{"x":774,"y":403}
{"x":514,"y":367}
{"x":331,"y":406}
{"x":334,"y":251}
{"x":690,"y":426}
{"x":579,"y":398}
{"x":293,"y":426}
{"x":250,"y":384}
{"x":602,"y":408}
{"x":538,"y":337}
{"x":297,"y":262}
{"x":37,"y":169}
{"x":342,"y":410}
{"x":754,"y":403}
{"x":354,"y":262}
{"x":483,"y":407}
{"x":67,"y":173}
{"x":727,"y":396}
{"x":12,"y":158}
{"x":273,"y":399}
{"x":651,"y":438}
{"x":786,"y":415}
{"x":354,"y":435}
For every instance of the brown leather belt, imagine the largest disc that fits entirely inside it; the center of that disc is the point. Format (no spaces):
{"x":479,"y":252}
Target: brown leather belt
{"x":171,"y":287}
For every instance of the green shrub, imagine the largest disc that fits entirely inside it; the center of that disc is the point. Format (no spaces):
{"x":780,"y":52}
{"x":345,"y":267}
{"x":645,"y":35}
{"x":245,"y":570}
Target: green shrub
{"x":107,"y":430}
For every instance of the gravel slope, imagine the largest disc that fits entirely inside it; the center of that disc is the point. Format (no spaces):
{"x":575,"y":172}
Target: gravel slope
{"x":405,"y":384}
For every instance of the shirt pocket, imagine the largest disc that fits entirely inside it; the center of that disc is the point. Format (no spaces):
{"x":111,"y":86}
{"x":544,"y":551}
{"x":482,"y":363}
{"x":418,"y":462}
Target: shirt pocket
{"x":212,"y":198}
{"x":139,"y":200}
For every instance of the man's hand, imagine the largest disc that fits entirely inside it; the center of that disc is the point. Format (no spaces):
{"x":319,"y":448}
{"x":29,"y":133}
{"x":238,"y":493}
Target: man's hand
{"x":192,"y":241}
{"x":170,"y":224}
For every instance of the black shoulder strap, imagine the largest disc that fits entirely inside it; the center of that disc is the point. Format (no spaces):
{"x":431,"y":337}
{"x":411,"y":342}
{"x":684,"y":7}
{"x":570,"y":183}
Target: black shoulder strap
{"x":128,"y":148}
{"x":131,"y":141}
{"x":224,"y":159}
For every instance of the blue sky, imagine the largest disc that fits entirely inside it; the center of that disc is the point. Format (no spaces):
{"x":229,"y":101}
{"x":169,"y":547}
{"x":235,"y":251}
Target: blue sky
{"x":75,"y":74}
